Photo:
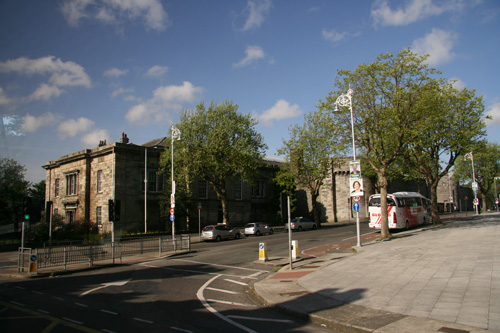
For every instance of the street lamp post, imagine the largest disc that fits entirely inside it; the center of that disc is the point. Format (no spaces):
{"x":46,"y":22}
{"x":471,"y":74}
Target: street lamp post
{"x":175,"y":135}
{"x":496,"y":193}
{"x":346,"y":100}
{"x":474,"y":183}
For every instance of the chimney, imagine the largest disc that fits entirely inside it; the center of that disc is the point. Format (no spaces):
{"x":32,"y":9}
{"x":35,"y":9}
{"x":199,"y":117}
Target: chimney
{"x":124,"y":138}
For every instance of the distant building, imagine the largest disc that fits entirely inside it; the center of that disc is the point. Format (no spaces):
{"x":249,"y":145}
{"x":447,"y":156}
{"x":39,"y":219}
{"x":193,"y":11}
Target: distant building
{"x":80,"y":185}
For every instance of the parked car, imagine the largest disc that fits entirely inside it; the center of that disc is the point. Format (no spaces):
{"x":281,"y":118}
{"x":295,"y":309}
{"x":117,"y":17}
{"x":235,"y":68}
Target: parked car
{"x":257,"y":229}
{"x":219,"y":232}
{"x":301,"y":223}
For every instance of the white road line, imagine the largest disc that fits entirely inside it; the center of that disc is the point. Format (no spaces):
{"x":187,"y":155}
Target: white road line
{"x":203,"y":301}
{"x":230,"y":303}
{"x":107,"y":284}
{"x":58,"y":298}
{"x":17,"y":287}
{"x":17,"y":303}
{"x":37,"y":292}
{"x":109,"y":312}
{"x":73,"y":321}
{"x":144,"y":320}
{"x":43,"y":311}
{"x":206,"y":263}
{"x":237,"y":282}
{"x":82,"y":305}
{"x":262,"y":319}
{"x":179,"y":329}
{"x":223,"y":291}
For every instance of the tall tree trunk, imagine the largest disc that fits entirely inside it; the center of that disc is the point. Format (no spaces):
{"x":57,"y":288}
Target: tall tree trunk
{"x":314,"y":209}
{"x":434,"y":203}
{"x":384,"y":221}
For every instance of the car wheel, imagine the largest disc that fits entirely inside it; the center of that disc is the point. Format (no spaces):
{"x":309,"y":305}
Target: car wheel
{"x":299,"y":228}
{"x":271,"y":232}
{"x":218,"y":238}
{"x":237,"y":236}
{"x":257,"y":233}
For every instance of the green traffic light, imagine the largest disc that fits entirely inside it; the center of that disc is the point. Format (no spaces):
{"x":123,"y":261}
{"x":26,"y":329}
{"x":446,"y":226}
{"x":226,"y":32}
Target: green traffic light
{"x":26,"y":217}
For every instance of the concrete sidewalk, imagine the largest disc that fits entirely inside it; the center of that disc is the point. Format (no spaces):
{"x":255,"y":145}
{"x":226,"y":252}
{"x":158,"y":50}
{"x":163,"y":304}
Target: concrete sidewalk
{"x":432,"y":279}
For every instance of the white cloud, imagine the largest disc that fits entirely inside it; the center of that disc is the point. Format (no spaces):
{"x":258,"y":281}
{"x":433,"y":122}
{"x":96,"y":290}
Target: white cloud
{"x":457,"y":83}
{"x":253,"y":53}
{"x":413,"y":11}
{"x":333,"y":35}
{"x":62,"y":74}
{"x":32,"y":123}
{"x":115,"y":72}
{"x":4,"y":99}
{"x":93,"y":138}
{"x":281,"y":110}
{"x":157,"y":71}
{"x":438,"y":44}
{"x":70,"y":128}
{"x":45,"y":92}
{"x":121,"y":91}
{"x":165,"y":100}
{"x":493,"y":112}
{"x":117,"y":12}
{"x":257,"y":10}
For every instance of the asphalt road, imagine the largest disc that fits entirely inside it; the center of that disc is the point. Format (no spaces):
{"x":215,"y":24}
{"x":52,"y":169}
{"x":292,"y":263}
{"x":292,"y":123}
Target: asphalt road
{"x":204,"y":291}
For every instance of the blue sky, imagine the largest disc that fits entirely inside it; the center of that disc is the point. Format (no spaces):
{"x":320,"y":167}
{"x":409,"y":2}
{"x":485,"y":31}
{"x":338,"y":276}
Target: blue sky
{"x":75,"y":72}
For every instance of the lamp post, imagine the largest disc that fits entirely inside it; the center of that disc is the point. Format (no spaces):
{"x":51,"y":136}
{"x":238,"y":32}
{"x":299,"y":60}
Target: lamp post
{"x":346,"y":100}
{"x":496,"y":193}
{"x":175,"y":135}
{"x":474,"y":183}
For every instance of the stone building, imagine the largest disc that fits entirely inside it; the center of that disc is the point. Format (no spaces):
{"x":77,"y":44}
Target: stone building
{"x":80,"y":185}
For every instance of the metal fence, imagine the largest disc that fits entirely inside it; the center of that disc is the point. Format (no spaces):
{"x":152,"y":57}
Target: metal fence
{"x":62,"y":256}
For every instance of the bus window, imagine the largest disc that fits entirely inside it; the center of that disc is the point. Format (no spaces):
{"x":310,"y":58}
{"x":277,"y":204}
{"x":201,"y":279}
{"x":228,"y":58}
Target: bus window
{"x":375,"y":202}
{"x":390,"y":202}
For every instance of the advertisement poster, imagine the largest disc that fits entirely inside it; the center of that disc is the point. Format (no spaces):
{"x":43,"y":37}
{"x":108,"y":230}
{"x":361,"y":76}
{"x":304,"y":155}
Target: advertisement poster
{"x":355,"y":179}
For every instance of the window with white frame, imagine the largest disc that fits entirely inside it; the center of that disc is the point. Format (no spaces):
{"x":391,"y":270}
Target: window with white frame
{"x":202,"y":189}
{"x":72,"y":184}
{"x":56,"y":187}
{"x":259,"y":190}
{"x":99,"y":216}
{"x":99,"y":181}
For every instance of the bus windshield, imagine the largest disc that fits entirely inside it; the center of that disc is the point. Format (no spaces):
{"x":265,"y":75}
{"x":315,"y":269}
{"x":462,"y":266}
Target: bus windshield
{"x":375,"y":202}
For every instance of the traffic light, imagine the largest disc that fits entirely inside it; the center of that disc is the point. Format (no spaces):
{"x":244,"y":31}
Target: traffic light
{"x":111,"y":210}
{"x":117,"y":210}
{"x":26,"y":208}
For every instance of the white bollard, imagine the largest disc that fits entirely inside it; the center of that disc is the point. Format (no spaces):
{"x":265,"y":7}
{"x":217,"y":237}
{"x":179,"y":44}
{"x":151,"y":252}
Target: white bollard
{"x":263,"y":252}
{"x":295,"y":250}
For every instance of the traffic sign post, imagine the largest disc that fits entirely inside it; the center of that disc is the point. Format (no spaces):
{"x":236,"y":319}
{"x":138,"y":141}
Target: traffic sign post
{"x":355,"y":206}
{"x":33,"y":267}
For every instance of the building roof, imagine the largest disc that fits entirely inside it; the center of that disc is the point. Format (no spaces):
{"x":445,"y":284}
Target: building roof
{"x":159,"y":142}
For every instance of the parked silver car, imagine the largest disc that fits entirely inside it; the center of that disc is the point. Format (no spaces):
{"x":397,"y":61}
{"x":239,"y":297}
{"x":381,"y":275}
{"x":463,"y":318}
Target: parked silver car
{"x":219,"y":232}
{"x":257,"y":229}
{"x":301,"y":223}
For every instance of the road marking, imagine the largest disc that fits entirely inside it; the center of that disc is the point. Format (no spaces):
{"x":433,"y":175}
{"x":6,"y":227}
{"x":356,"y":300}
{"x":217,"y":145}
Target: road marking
{"x":82,"y":305}
{"x":58,"y":298}
{"x":17,"y":287}
{"x":207,"y":306}
{"x":230,"y":303}
{"x":17,"y":303}
{"x":144,"y":320}
{"x":107,"y":284}
{"x":223,"y":291}
{"x":226,"y":266}
{"x":109,"y":312}
{"x":43,"y":311}
{"x":237,"y":282}
{"x":73,"y":321}
{"x":287,"y":321}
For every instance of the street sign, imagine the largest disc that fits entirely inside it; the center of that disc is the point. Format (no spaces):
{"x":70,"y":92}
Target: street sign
{"x":356,"y":199}
{"x":172,"y":211}
{"x":172,"y":217}
{"x":355,"y":206}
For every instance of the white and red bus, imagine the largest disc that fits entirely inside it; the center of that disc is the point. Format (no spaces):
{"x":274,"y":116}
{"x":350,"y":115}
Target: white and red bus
{"x":404,"y":210}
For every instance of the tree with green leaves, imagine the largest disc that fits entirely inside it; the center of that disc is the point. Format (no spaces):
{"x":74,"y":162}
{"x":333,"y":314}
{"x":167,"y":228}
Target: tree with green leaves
{"x":385,"y":106}
{"x":450,"y":123}
{"x":13,"y":189}
{"x":486,"y":167}
{"x":309,"y":153}
{"x":217,"y":143}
